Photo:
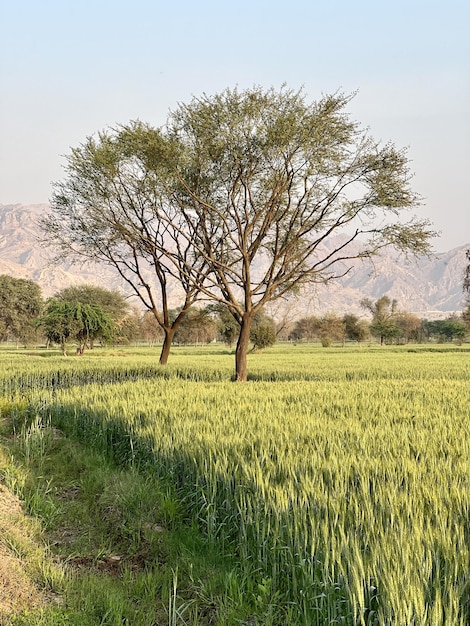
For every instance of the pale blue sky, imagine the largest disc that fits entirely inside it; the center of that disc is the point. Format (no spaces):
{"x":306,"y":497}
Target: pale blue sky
{"x":71,"y":68}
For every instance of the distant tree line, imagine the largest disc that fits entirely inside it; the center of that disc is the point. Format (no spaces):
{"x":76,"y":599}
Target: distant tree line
{"x":84,"y":315}
{"x":386,"y":327}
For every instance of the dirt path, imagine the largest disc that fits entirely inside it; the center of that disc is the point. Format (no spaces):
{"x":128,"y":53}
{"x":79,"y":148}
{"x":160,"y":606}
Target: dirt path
{"x":17,"y":590}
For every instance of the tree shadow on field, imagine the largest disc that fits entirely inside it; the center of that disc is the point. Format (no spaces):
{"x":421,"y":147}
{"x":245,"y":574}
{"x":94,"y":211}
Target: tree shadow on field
{"x":214,"y":502}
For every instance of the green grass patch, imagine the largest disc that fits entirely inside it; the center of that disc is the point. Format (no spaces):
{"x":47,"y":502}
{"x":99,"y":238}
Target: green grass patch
{"x":125,"y":546}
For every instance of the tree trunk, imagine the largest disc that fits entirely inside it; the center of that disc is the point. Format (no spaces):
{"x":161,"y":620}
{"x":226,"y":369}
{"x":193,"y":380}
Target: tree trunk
{"x":165,"y":353}
{"x":241,"y":371}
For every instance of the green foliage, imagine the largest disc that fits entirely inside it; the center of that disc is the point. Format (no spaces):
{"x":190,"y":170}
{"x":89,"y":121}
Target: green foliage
{"x":124,"y":541}
{"x":228,"y":328}
{"x":328,"y":328}
{"x":384,"y":318}
{"x":331,"y":329}
{"x":111,"y":302}
{"x":65,"y":321}
{"x":445,"y":330}
{"x":59,"y":323}
{"x":197,"y":326}
{"x":263,"y":331}
{"x":306,"y":329}
{"x":411,"y":327}
{"x":150,"y":329}
{"x":261,"y":176}
{"x":355,"y":328}
{"x":20,"y":305}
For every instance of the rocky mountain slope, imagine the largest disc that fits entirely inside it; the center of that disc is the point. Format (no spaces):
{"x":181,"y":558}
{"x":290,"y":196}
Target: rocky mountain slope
{"x":429,"y":287}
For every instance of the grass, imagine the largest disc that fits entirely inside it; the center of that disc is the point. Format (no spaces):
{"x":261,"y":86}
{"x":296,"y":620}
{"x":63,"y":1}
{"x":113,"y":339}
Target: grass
{"x":331,"y":488}
{"x":113,"y":544}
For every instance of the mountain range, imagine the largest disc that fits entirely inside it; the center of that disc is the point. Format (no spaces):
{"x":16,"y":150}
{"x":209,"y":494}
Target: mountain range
{"x":429,"y":287}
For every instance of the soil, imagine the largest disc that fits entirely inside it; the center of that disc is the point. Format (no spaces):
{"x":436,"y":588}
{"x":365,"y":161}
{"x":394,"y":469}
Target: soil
{"x":17,"y":591}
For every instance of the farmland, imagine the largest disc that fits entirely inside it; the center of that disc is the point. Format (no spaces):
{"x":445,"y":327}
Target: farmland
{"x":339,"y":478}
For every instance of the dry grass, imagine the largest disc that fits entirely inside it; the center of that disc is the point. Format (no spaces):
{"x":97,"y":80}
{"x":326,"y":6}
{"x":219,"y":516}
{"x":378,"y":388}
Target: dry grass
{"x":17,"y":542}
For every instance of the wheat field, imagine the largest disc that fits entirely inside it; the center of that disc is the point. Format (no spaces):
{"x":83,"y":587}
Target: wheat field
{"x":340,"y":477}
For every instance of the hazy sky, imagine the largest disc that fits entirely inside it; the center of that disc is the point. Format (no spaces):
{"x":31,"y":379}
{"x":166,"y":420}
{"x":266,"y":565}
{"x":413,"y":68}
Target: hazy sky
{"x":71,"y":68}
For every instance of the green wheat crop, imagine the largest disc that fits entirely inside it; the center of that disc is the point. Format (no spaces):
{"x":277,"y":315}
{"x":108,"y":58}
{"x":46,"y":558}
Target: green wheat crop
{"x":341,"y":477}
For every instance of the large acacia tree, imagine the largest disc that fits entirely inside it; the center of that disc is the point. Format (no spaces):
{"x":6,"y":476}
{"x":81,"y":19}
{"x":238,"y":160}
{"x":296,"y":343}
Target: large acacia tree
{"x":245,"y":197}
{"x":278,"y":193}
{"x":114,"y":207}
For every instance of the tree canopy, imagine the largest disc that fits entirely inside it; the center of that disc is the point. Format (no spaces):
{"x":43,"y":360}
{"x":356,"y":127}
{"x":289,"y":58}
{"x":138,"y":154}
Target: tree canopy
{"x":197,"y":326}
{"x":20,"y":304}
{"x":355,"y":328}
{"x":111,"y":301}
{"x":242,"y":197}
{"x":384,"y":317}
{"x":449,"y":329}
{"x":109,"y":209}
{"x":65,"y":321}
{"x":268,"y":179}
{"x":263,"y":331}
